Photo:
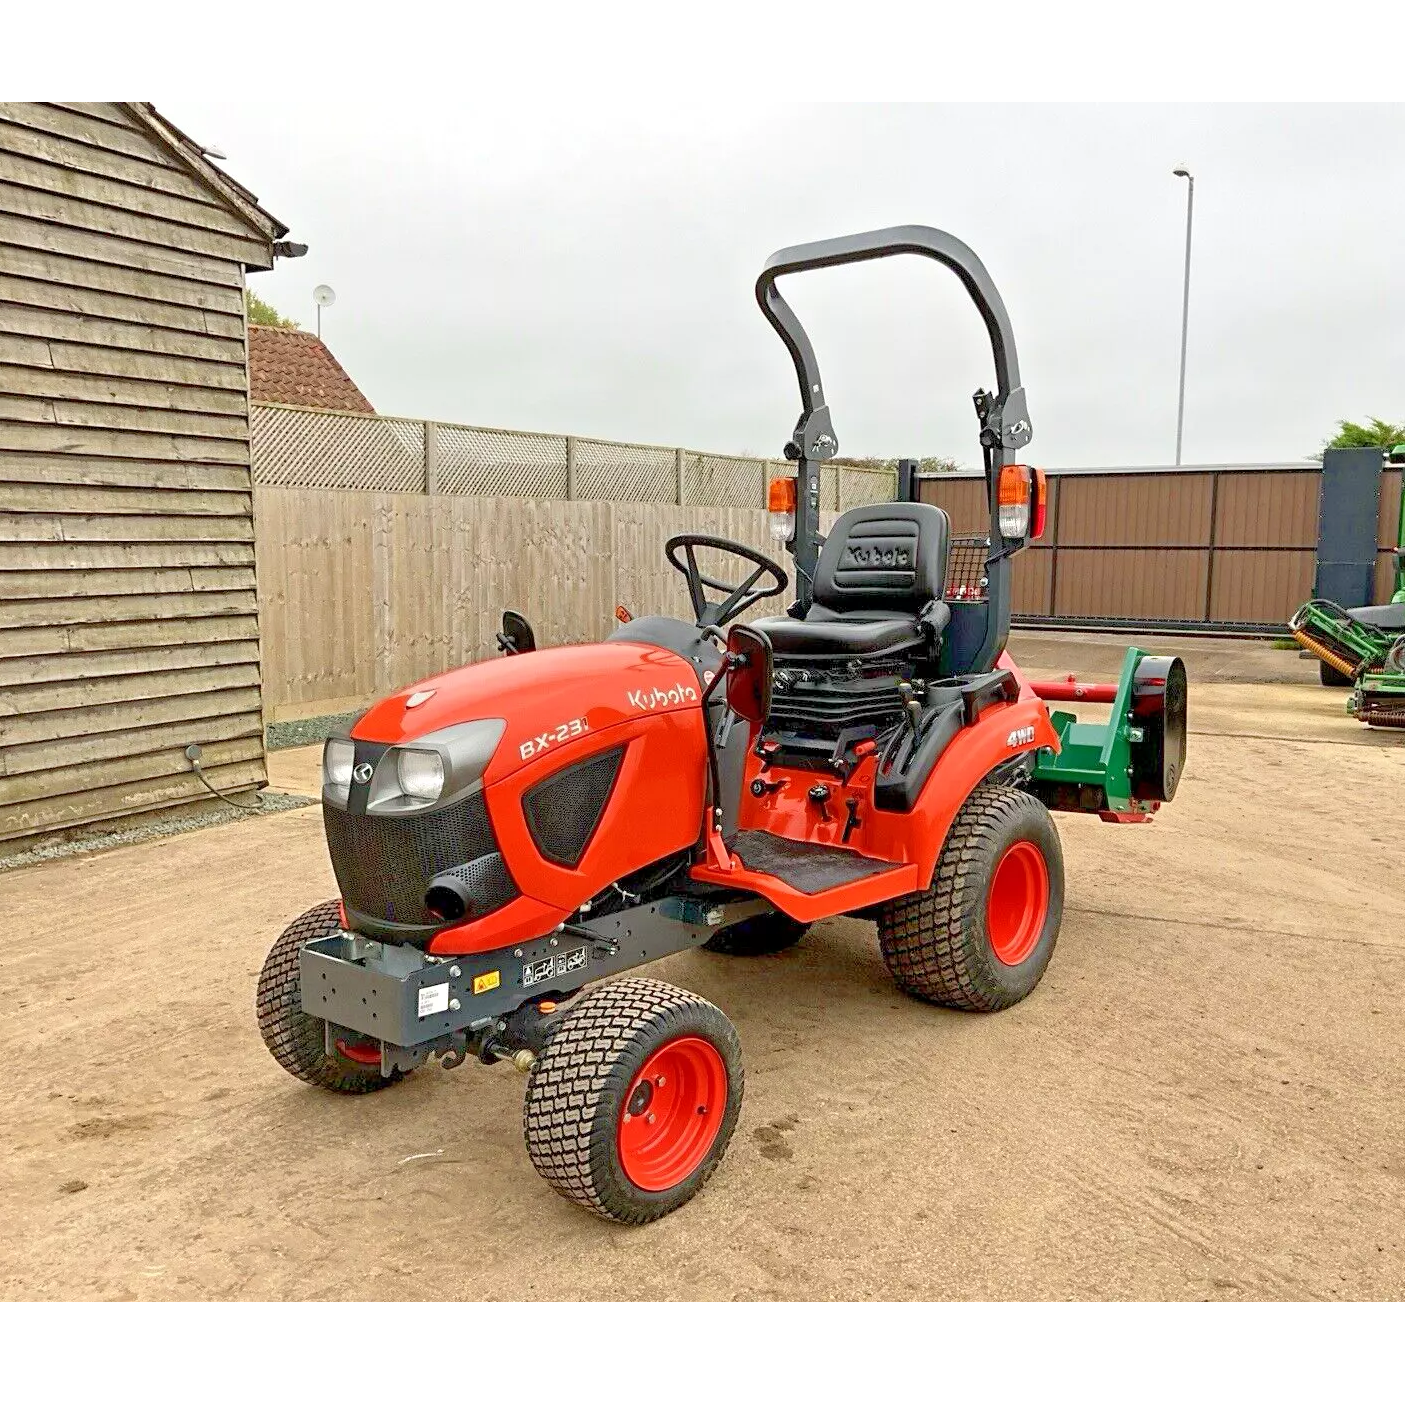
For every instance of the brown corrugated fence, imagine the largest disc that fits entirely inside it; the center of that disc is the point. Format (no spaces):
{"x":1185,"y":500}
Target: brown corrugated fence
{"x":1217,"y":546}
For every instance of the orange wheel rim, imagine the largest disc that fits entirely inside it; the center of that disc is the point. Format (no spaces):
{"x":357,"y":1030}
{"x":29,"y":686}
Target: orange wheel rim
{"x":672,"y":1113}
{"x":1018,"y":902}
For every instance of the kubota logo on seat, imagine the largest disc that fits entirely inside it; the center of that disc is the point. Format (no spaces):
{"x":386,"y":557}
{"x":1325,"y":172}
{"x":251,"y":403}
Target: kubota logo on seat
{"x":878,"y":556}
{"x":650,"y":700}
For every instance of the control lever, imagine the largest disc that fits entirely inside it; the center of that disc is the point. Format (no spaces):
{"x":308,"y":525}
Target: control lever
{"x":912,"y":707}
{"x":819,"y":795}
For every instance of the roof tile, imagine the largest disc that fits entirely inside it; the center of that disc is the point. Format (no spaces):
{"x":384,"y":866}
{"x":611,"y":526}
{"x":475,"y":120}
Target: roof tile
{"x":296,"y":368}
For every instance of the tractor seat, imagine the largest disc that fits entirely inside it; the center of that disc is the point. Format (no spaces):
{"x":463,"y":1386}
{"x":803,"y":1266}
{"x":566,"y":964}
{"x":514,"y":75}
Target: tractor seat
{"x":881,"y":567}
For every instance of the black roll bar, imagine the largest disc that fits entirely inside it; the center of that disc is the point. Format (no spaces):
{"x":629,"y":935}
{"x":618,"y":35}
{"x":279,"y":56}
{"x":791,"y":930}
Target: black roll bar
{"x":1004,"y":417}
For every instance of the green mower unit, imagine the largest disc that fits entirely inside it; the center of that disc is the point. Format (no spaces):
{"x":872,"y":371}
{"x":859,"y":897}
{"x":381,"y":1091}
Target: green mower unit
{"x":1363,"y":648}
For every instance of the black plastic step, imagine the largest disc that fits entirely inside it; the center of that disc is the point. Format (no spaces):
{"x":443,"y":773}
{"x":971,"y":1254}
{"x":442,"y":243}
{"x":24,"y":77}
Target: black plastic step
{"x":808,"y":868}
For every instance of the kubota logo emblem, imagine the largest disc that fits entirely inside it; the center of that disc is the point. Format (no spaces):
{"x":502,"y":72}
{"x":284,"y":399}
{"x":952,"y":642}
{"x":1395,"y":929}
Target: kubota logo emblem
{"x":362,"y":773}
{"x":651,"y":699}
{"x":878,"y":556}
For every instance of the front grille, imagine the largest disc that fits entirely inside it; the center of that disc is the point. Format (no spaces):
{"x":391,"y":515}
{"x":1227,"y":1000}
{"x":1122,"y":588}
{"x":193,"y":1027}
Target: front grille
{"x":384,"y":863}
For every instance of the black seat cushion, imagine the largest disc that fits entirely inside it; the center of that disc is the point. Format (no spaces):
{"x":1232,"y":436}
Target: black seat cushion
{"x":880,"y":567}
{"x":823,"y":632}
{"x":1389,"y":617}
{"x":889,"y":556}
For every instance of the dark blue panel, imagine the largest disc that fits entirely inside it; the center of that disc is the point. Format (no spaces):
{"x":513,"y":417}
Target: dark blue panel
{"x":1346,"y":526}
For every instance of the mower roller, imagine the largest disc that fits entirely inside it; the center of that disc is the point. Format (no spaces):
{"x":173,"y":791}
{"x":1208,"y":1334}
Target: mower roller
{"x":507,"y":835}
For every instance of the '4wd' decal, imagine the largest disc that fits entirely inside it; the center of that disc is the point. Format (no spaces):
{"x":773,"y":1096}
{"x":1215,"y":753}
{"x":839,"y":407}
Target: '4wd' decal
{"x":1021,"y":736}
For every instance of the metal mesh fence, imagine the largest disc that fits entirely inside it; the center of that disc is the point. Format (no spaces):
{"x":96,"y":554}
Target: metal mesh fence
{"x":296,"y":448}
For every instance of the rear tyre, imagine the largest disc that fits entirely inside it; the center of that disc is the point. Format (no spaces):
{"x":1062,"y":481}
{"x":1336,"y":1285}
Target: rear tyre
{"x":981,"y":936}
{"x":762,"y":935}
{"x":634,"y":1100}
{"x":298,"y":1040}
{"x":1332,"y":677}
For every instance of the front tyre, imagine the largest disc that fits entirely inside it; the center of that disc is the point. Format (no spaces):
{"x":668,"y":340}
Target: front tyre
{"x":634,"y":1099}
{"x":979,"y":938}
{"x":298,"y":1040}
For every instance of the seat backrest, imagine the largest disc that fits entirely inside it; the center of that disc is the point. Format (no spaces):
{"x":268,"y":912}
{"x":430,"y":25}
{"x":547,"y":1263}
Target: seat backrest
{"x":888,"y":556}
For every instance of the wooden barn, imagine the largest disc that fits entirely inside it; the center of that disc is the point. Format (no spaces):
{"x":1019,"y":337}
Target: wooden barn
{"x":128,"y":617}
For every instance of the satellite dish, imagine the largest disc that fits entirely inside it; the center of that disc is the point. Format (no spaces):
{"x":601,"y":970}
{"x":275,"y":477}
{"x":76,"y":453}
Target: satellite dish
{"x":323,"y":296}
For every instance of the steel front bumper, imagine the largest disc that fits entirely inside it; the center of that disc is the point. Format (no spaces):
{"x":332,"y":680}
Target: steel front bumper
{"x":411,"y":1001}
{"x":400,"y":996}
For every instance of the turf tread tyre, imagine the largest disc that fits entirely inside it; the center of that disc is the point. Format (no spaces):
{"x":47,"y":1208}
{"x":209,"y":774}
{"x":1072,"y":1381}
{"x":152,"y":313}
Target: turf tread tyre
{"x":576,"y":1093}
{"x":763,"y":935}
{"x":934,"y":943}
{"x":296,"y":1039}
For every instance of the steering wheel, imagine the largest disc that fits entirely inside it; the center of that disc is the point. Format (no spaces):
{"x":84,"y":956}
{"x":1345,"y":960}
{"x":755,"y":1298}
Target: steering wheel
{"x":739,"y":597}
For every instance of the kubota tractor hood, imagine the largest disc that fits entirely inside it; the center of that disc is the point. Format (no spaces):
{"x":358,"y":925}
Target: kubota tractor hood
{"x":546,"y":698}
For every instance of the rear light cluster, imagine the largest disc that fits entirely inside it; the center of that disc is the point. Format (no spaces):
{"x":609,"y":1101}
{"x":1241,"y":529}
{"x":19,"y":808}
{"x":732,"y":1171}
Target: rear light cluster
{"x":1022,"y":500}
{"x":780,"y":505}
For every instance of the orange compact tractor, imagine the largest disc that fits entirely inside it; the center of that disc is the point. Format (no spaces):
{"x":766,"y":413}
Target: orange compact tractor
{"x":511,"y":837}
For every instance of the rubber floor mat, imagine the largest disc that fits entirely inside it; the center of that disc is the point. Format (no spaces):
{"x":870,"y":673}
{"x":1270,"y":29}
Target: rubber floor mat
{"x":808,"y":868}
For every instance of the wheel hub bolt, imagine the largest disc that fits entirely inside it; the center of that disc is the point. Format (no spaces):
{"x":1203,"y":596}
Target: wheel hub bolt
{"x":651,"y":1119}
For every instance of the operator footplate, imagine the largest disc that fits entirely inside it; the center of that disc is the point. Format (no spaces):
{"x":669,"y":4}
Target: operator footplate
{"x":808,"y":868}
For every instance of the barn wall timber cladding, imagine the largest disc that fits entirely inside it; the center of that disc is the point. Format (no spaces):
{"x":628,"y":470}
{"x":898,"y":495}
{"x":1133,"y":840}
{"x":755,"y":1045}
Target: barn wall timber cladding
{"x":128,"y":612}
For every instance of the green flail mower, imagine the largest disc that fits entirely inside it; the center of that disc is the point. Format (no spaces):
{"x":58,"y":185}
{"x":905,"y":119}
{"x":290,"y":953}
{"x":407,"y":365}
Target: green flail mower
{"x":1363,"y":648}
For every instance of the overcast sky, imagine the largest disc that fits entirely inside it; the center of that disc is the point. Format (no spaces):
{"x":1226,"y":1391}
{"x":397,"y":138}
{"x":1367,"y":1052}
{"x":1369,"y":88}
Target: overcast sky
{"x":534,"y":267}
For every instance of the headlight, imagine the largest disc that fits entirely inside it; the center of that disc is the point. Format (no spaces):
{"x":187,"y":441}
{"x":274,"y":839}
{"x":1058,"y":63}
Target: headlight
{"x":337,"y":758}
{"x":421,"y":774}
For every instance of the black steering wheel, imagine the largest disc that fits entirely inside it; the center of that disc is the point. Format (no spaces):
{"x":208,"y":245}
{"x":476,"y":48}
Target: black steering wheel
{"x":739,"y":597}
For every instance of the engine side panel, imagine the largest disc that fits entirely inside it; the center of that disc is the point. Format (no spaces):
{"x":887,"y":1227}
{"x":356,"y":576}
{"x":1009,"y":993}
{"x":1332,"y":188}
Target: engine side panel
{"x":655,"y":808}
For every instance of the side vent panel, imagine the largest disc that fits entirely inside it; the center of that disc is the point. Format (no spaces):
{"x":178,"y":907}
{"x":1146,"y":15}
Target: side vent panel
{"x":563,"y":811}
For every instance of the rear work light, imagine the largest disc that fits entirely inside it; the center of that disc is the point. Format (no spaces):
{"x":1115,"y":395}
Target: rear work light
{"x":780,"y":505}
{"x":1012,"y":499}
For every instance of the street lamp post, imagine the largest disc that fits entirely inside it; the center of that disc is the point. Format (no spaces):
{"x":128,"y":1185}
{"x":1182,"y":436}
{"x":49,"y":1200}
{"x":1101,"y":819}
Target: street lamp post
{"x":1185,"y":302}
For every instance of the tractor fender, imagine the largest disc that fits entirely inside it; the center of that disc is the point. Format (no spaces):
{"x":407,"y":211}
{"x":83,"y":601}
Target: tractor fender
{"x":1001,"y":734}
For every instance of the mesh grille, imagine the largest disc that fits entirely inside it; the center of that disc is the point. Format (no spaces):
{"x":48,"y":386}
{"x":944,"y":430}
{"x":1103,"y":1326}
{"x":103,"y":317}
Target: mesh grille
{"x":563,"y":810}
{"x":384,"y":863}
{"x":965,"y":569}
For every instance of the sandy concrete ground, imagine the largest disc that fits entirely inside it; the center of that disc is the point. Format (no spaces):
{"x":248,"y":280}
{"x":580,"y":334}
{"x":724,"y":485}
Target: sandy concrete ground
{"x":1204,"y":1099}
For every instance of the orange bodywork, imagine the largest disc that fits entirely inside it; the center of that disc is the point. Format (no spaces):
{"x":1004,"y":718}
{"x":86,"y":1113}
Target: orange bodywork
{"x":565,"y":705}
{"x":912,"y":841}
{"x":562,"y":706}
